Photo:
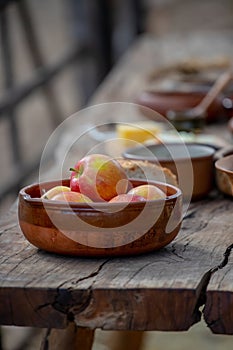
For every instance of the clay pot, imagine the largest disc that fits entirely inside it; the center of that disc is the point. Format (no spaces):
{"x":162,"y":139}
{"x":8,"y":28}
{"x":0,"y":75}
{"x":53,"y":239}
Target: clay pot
{"x":163,"y":101}
{"x":192,"y":163}
{"x":103,"y":229}
{"x":224,"y":174}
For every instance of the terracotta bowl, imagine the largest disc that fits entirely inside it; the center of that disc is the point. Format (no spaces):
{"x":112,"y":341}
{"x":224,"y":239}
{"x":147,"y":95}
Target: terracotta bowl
{"x":103,"y":229}
{"x":163,"y":101}
{"x":192,"y":165}
{"x":224,"y":174}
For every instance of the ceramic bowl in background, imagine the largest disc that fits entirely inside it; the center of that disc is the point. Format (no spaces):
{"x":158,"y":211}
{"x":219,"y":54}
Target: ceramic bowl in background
{"x":223,"y":152}
{"x":163,"y":101}
{"x":181,"y":160}
{"x":224,"y":174}
{"x":104,"y":229}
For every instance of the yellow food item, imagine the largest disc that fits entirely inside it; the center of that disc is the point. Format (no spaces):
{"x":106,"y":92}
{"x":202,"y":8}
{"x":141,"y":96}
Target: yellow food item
{"x":139,"y":132}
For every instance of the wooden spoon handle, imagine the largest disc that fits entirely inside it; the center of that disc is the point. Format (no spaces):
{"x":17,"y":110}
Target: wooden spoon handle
{"x":218,"y":86}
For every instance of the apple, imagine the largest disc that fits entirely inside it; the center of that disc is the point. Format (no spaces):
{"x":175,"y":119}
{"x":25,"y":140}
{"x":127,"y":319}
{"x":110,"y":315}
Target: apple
{"x":54,"y":191}
{"x":99,"y":177}
{"x":149,"y":192}
{"x":128,"y":198}
{"x":71,"y":196}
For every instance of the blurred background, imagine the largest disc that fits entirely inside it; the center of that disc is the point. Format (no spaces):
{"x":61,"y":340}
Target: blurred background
{"x":54,"y":55}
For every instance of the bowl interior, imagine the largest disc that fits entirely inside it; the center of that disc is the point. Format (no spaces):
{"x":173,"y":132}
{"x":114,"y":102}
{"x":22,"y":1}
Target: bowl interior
{"x":32,"y":194}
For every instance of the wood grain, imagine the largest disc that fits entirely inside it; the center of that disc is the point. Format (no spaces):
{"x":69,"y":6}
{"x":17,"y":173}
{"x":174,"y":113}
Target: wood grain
{"x":159,"y":291}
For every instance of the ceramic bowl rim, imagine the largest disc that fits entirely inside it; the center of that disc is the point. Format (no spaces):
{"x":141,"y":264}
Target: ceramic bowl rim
{"x":94,"y":206}
{"x":126,"y":154}
{"x":173,"y":94}
{"x":220,"y":164}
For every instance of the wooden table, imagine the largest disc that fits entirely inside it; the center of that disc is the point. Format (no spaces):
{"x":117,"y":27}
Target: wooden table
{"x":167,"y":290}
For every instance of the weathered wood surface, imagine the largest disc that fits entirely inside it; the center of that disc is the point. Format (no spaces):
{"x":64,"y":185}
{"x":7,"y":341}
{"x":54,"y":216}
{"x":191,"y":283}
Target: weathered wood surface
{"x":218,"y":311}
{"x":158,"y":291}
{"x":164,"y":290}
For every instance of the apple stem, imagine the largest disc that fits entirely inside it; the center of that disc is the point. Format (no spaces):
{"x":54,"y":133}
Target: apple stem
{"x":73,"y":169}
{"x":77,"y":171}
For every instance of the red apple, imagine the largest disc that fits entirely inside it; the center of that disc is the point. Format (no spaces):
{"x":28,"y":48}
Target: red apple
{"x":128,"y":198}
{"x":99,"y":177}
{"x":71,"y":196}
{"x":149,"y":192}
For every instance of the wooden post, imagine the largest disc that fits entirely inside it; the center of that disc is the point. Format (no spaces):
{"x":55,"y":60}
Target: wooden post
{"x":127,"y":340}
{"x":71,"y":338}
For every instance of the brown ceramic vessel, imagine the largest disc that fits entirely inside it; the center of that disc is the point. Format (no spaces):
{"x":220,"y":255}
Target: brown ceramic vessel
{"x":163,"y":101}
{"x":193,"y":164}
{"x":103,"y":229}
{"x":224,"y":174}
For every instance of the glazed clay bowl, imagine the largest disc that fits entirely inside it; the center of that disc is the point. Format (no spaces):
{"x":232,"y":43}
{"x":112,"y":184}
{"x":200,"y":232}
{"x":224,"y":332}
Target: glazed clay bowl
{"x":224,"y":174}
{"x":104,"y":229}
{"x":193,"y":164}
{"x":163,"y":101}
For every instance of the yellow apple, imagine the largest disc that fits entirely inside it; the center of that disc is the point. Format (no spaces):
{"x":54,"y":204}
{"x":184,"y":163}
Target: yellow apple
{"x":54,"y":191}
{"x":149,"y":192}
{"x":71,"y":196}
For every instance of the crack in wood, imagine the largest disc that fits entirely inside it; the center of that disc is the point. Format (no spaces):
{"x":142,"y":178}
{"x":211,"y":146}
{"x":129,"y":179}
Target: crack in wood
{"x":76,"y":298}
{"x":203,"y":285}
{"x":190,"y":214}
{"x":78,"y":308}
{"x":93,"y":274}
{"x":75,"y":309}
{"x":173,"y":250}
{"x":66,"y":303}
{"x":63,"y":301}
{"x":216,"y":320}
{"x":225,"y":259}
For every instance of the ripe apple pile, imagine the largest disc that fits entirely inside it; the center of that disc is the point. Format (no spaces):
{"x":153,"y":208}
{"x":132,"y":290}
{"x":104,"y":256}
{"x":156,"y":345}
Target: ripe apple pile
{"x":99,"y":178}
